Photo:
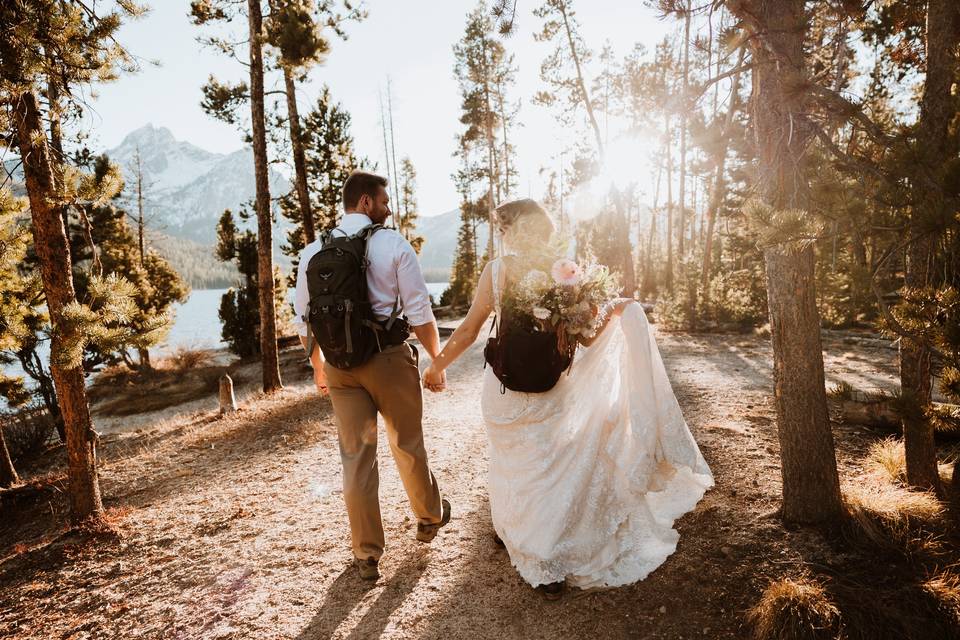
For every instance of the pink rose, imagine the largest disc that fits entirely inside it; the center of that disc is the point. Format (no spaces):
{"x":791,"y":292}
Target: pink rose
{"x":565,"y":272}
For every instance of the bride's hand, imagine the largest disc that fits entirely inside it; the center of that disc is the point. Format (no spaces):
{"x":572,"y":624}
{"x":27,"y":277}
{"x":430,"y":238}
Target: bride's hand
{"x":434,"y":379}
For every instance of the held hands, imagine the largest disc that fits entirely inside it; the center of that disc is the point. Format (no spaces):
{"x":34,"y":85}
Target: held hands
{"x":434,"y":379}
{"x":320,"y":379}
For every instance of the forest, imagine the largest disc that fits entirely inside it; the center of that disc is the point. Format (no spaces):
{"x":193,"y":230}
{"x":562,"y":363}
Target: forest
{"x":776,"y":181}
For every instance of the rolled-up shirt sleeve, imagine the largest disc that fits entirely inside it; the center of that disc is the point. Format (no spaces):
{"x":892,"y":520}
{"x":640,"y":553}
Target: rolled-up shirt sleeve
{"x":301,"y":296}
{"x":414,"y":295}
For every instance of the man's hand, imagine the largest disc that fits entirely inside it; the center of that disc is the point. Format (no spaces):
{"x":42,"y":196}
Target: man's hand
{"x":435,"y":379}
{"x":320,"y":379}
{"x":316,"y":361}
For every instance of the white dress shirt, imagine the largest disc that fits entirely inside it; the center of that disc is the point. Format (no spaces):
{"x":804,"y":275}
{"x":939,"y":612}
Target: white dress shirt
{"x":394,"y":271}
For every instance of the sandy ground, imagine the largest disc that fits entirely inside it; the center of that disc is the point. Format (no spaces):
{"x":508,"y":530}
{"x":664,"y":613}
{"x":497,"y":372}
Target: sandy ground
{"x":235,"y":528}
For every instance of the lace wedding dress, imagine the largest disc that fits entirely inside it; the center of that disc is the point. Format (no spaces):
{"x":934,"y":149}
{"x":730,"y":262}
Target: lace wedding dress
{"x":587,"y":479}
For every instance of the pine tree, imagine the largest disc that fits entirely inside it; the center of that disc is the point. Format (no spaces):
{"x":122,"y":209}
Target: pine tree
{"x":570,"y":55}
{"x":484,"y":72}
{"x":223,"y":101}
{"x":53,"y":49}
{"x":294,"y":29}
{"x":240,"y":306}
{"x":776,"y":30}
{"x":407,"y":207}
{"x":330,"y":158}
{"x":102,"y":244}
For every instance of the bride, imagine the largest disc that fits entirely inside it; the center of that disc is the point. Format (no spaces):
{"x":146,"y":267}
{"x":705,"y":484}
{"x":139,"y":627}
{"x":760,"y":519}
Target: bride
{"x":586,"y":479}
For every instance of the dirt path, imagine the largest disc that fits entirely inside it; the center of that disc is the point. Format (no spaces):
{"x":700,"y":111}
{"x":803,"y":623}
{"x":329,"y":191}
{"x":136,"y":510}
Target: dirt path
{"x":235,"y":528}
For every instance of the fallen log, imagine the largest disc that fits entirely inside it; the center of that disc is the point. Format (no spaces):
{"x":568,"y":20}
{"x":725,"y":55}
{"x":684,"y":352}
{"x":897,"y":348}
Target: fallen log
{"x":878,"y":409}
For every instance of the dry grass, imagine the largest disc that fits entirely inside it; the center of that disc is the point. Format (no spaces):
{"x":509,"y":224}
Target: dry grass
{"x":183,"y":360}
{"x":795,"y":609}
{"x":944,"y":590}
{"x":894,"y":519}
{"x":887,"y":460}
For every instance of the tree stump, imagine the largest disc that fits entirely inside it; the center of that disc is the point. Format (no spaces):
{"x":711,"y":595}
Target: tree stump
{"x":228,"y":402}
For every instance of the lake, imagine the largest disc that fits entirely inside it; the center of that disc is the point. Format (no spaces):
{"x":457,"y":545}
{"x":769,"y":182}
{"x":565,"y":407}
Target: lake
{"x":197,"y":323}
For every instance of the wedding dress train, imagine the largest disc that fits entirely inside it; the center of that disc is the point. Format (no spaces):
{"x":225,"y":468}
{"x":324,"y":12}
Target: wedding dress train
{"x":586,"y":480}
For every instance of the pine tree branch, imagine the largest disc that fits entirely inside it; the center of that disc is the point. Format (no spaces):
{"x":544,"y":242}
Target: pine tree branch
{"x":848,"y":160}
{"x":839,"y":105}
{"x":726,"y":74}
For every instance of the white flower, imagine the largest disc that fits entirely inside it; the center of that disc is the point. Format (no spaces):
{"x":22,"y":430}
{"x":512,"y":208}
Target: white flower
{"x":536,"y":279}
{"x":540,"y":313}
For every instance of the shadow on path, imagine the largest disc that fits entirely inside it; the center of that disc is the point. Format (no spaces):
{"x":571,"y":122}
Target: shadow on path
{"x":349,"y":589}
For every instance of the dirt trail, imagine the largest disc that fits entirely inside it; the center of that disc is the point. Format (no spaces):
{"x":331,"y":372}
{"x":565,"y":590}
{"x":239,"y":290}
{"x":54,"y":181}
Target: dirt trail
{"x":235,"y":528}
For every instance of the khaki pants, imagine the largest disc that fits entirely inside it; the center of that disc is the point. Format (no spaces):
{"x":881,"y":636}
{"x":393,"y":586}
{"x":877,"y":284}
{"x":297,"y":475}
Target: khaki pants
{"x":389,"y":383}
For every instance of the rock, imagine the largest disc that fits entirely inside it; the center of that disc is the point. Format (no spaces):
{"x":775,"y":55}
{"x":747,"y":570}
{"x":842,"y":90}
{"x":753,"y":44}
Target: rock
{"x":663,"y":609}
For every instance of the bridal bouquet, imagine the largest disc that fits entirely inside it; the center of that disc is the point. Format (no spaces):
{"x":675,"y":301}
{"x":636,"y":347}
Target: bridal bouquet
{"x":566,"y":301}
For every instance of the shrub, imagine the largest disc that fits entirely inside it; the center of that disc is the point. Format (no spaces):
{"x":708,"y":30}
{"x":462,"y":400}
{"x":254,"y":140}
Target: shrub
{"x":26,"y":430}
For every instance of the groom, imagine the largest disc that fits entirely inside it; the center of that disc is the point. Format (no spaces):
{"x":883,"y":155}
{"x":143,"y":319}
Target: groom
{"x":388,"y":383}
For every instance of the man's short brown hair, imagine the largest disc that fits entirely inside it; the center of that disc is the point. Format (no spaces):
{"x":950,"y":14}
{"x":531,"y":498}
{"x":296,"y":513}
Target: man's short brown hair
{"x":359,"y":184}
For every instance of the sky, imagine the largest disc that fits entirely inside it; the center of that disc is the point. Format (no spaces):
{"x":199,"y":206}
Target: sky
{"x":409,"y":42}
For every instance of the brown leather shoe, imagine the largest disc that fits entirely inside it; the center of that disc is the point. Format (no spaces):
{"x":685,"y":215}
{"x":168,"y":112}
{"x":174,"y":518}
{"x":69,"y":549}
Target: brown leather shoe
{"x":368,"y":568}
{"x":427,"y":532}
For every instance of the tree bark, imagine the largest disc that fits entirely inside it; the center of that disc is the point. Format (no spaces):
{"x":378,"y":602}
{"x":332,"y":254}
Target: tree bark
{"x":937,"y":110}
{"x":493,"y":179}
{"x":8,"y":474}
{"x":668,"y":278}
{"x":50,"y":243}
{"x":299,"y":159}
{"x":270,"y":361}
{"x":682,"y":213}
{"x":811,"y":487}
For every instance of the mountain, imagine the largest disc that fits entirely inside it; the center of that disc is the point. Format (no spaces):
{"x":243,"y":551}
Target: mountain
{"x":440,"y":245}
{"x":186,"y":187}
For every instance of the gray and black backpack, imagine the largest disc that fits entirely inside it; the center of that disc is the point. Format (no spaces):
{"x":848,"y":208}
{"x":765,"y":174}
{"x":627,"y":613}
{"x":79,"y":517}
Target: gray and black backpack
{"x":340,"y":317}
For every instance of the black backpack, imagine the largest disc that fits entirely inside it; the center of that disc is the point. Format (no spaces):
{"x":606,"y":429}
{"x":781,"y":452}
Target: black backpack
{"x":340,"y":317}
{"x":523,"y":360}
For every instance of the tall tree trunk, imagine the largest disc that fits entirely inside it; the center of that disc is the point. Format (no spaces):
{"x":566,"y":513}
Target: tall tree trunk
{"x":140,"y":227}
{"x":581,"y":84}
{"x":811,"y":487}
{"x":50,"y":243}
{"x":682,"y":212}
{"x":299,"y":159}
{"x":649,"y":277}
{"x":668,"y":278}
{"x":492,"y":177}
{"x":506,"y":146}
{"x":268,"y":319}
{"x":8,"y":474}
{"x":393,"y":156}
{"x":937,"y":110}
{"x":718,"y":190}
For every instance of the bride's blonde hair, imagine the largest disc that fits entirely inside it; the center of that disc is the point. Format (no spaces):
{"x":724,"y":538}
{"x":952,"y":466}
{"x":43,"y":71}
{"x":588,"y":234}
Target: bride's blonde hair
{"x":523,"y":223}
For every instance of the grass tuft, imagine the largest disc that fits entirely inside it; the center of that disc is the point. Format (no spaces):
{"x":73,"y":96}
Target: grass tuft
{"x":887,"y":460}
{"x":795,"y":609}
{"x":894,"y":519}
